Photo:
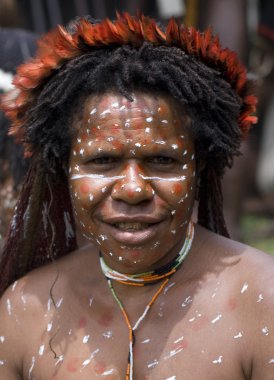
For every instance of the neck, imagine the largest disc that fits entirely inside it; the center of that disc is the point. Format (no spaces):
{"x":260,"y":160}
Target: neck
{"x":153,"y":276}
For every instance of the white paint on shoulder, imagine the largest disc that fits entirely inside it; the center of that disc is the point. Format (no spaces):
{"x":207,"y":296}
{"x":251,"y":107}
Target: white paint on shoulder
{"x":218,"y":360}
{"x":219,"y":316}
{"x":244,"y":288}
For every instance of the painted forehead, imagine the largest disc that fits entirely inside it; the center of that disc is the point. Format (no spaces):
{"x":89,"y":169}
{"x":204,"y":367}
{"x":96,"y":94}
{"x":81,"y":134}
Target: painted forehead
{"x":145,"y":111}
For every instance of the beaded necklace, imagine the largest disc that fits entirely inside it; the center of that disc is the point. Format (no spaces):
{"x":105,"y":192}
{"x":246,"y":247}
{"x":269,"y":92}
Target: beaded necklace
{"x":143,"y":279}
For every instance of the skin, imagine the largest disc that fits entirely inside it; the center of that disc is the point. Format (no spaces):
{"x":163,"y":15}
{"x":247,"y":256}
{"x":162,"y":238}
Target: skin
{"x":214,"y":319}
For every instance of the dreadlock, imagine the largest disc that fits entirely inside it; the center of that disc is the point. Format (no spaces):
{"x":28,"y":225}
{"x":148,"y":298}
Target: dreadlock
{"x":212,"y":102}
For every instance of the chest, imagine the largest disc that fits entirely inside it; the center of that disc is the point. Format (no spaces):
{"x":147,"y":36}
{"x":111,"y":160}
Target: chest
{"x":172,"y":343}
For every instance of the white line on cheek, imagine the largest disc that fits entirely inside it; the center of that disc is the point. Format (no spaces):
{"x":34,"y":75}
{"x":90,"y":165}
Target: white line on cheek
{"x":174,"y":179}
{"x":96,"y":176}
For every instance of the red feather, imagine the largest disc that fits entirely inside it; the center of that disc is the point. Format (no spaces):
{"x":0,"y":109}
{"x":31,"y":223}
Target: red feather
{"x":59,"y":46}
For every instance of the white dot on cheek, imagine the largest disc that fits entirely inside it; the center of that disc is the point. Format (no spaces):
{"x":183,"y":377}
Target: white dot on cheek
{"x":149,"y":119}
{"x":91,"y":197}
{"x":79,"y":140}
{"x":93,"y":111}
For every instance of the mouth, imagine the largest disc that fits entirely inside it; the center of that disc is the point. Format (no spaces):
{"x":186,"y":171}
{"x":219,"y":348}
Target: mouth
{"x":132,"y":226}
{"x":135,"y":232}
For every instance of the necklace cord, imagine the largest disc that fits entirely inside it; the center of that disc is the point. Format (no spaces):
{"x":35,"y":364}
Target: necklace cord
{"x":142,"y":279}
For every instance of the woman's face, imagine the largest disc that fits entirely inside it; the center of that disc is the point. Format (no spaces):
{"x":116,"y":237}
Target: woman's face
{"x":132,"y":178}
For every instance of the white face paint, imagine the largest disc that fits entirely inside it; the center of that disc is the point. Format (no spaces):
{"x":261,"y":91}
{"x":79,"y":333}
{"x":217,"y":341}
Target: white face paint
{"x":86,"y":339}
{"x":41,"y":350}
{"x":260,"y":298}
{"x":49,"y":327}
{"x":31,"y":367}
{"x":217,"y":318}
{"x":265,"y":330}
{"x":158,"y":155}
{"x":108,"y":372}
{"x":174,"y":352}
{"x":153,"y":364}
{"x":178,"y":340}
{"x":187,"y":301}
{"x":107,"y":334}
{"x":9,"y":306}
{"x":239,"y":335}
{"x":59,"y":302}
{"x":218,"y":360}
{"x":59,"y":360}
{"x":14,"y":286}
{"x":244,"y":288}
{"x":168,"y":287}
{"x":145,"y":341}
{"x":87,"y":361}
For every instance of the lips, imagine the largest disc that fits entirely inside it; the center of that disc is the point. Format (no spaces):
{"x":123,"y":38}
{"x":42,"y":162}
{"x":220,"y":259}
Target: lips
{"x":135,"y":231}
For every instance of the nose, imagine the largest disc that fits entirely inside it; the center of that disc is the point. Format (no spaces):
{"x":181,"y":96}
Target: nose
{"x":132,"y":188}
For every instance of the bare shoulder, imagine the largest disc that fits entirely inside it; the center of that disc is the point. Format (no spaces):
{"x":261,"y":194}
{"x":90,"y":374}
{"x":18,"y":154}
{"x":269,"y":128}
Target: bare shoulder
{"x":248,"y":273}
{"x":28,"y":304}
{"x":32,"y":291}
{"x":28,"y":299}
{"x":245,"y":261}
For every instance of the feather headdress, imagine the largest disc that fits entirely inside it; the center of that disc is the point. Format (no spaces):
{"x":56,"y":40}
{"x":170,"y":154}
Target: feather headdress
{"x":59,"y":46}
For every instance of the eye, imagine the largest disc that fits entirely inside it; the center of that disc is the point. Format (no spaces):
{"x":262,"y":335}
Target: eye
{"x":103,"y":160}
{"x":161,"y":160}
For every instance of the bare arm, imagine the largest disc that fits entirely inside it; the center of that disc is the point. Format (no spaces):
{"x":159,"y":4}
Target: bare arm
{"x":10,"y":339}
{"x":263,"y":328}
